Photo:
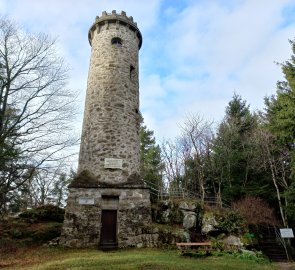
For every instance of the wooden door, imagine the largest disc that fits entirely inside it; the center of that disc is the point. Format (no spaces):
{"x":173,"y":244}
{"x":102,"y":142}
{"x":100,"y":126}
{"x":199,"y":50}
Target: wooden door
{"x":108,"y":234}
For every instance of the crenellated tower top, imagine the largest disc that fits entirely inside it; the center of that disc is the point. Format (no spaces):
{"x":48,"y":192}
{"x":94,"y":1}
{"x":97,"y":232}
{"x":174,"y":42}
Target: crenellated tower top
{"x":108,"y":18}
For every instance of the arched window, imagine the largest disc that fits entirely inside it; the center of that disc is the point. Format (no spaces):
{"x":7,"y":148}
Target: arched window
{"x":117,"y":41}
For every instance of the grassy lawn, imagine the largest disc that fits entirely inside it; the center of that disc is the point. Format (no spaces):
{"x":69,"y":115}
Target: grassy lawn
{"x":143,"y":259}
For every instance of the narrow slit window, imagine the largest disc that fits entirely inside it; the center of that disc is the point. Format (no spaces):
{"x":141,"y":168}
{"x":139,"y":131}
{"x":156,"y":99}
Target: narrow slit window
{"x":132,"y":73}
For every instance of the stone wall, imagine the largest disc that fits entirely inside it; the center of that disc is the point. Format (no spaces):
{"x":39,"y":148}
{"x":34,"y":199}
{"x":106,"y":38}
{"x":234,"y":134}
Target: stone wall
{"x":82,"y":225}
{"x":111,"y":117}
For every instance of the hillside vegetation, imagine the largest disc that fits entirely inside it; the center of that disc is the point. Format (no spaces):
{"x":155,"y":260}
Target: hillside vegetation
{"x":33,"y":227}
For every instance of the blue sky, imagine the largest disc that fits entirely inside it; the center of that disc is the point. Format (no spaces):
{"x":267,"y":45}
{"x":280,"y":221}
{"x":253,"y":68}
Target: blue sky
{"x":195,"y":53}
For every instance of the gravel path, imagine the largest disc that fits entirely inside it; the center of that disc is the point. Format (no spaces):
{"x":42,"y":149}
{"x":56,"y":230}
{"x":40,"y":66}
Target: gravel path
{"x":286,"y":266}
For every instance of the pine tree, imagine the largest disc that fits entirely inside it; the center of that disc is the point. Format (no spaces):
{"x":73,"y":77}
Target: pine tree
{"x":280,"y":121}
{"x":232,"y":150}
{"x":280,"y":109}
{"x":150,"y":160}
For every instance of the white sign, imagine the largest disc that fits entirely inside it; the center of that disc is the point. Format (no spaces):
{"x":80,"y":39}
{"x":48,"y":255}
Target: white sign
{"x":87,"y":201}
{"x":287,"y":233}
{"x":113,"y":163}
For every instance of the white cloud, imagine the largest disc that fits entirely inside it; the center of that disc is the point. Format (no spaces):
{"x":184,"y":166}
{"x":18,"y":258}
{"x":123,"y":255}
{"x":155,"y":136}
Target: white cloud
{"x":194,"y":55}
{"x":3,"y":7}
{"x":212,"y":50}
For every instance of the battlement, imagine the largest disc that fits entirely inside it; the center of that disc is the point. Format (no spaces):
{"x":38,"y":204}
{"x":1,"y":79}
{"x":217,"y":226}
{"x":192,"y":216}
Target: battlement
{"x":114,"y":14}
{"x":116,"y":18}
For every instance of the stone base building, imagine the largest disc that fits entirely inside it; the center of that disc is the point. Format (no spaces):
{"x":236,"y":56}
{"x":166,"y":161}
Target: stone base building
{"x":106,"y":216}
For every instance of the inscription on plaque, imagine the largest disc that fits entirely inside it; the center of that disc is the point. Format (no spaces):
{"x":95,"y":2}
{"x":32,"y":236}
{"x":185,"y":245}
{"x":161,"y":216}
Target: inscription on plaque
{"x":86,"y":201}
{"x":113,"y":163}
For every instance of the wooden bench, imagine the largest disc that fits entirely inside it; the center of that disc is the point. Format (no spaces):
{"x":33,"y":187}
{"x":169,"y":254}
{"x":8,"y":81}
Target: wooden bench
{"x":196,"y":246}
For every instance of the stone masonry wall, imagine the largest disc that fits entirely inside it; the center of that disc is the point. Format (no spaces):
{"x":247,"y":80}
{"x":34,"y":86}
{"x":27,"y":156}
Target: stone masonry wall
{"x":82,"y":223}
{"x":111,"y":117}
{"x":110,"y":134}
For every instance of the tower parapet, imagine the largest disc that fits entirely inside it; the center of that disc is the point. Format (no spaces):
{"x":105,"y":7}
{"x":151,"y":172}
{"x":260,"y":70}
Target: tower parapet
{"x":113,"y":18}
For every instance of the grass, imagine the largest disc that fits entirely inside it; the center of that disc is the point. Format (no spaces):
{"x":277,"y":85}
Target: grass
{"x":129,"y":259}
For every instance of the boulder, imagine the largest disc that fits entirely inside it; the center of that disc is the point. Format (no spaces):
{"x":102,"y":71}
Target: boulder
{"x":165,"y":216}
{"x":232,"y":241}
{"x":163,"y":213}
{"x":248,"y":252}
{"x":187,"y":206}
{"x":208,"y":223}
{"x":189,"y":220}
{"x":183,"y":206}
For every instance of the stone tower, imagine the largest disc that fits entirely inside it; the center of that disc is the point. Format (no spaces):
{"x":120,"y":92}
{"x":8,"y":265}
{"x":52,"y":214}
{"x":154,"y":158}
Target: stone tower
{"x":108,"y":204}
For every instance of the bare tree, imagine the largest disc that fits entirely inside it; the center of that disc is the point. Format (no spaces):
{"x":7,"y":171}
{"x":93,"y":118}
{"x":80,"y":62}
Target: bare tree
{"x":47,"y":186}
{"x":275,"y":159}
{"x":173,"y":162}
{"x":36,"y":108}
{"x":197,"y":135}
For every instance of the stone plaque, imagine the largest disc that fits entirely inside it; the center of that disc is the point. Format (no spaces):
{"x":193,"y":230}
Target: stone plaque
{"x":86,"y":201}
{"x":287,"y":233}
{"x":113,"y":163}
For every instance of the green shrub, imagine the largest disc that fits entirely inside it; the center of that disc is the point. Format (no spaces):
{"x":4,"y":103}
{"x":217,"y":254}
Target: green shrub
{"x":256,"y":256}
{"x":231,"y":222}
{"x":17,"y":229}
{"x":44,"y":213}
{"x":218,"y":245}
{"x":46,"y":233}
{"x":16,"y":233}
{"x":199,"y":254}
{"x":249,"y":239}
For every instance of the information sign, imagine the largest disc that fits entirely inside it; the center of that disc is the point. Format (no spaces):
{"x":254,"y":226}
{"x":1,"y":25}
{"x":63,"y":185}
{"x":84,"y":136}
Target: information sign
{"x":287,"y":233}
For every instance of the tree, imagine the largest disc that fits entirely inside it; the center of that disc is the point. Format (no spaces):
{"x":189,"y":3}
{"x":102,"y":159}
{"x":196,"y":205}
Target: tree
{"x":290,"y":207}
{"x":272,"y":158}
{"x":150,"y":160}
{"x":173,"y":160}
{"x":196,"y":139}
{"x":279,"y":120}
{"x":255,"y":210}
{"x":233,"y":151}
{"x":60,"y":187}
{"x":46,"y":186}
{"x":280,"y":109}
{"x":36,"y":108}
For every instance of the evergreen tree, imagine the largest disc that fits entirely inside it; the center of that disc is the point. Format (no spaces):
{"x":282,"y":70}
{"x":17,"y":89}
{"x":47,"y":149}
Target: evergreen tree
{"x":280,"y":109}
{"x":280,"y":121}
{"x":150,"y":160}
{"x":232,"y":150}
